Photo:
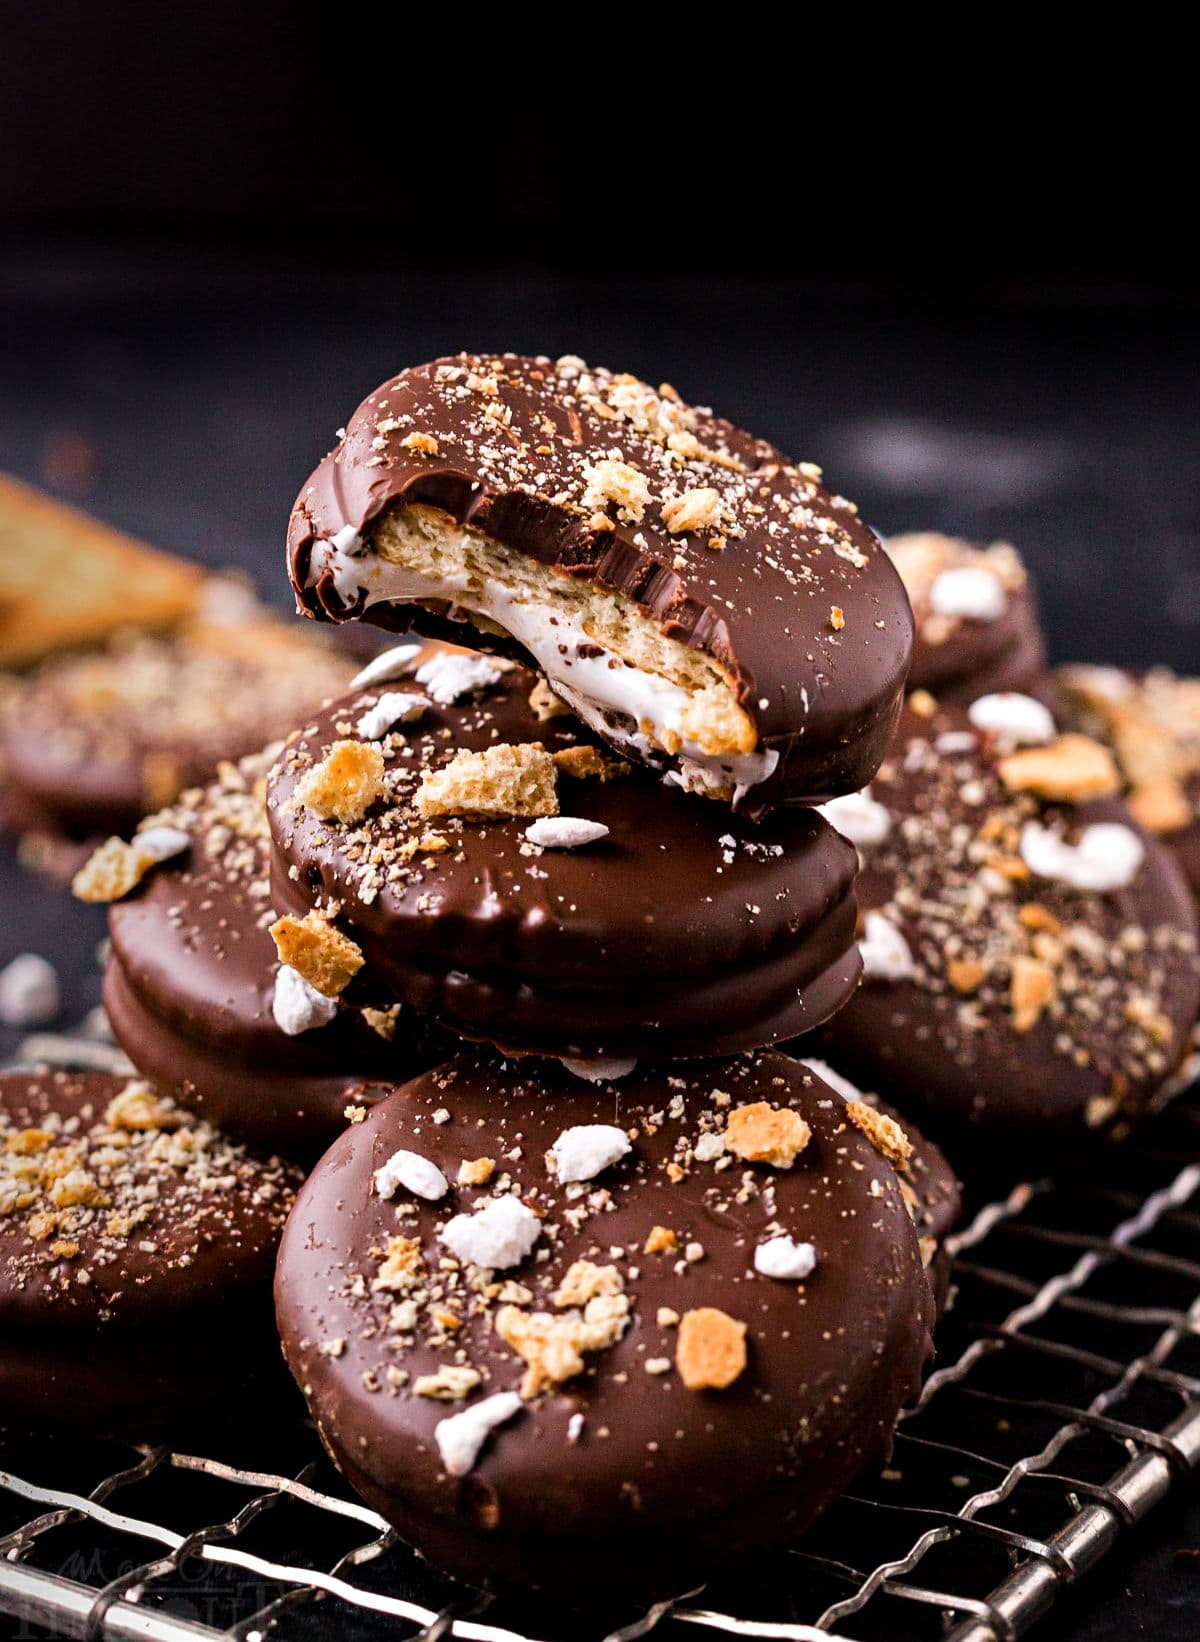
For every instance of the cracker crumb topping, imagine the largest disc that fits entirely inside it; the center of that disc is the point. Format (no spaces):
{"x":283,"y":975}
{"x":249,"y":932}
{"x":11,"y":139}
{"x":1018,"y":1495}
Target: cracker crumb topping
{"x":761,"y":1133}
{"x":320,"y":954}
{"x":710,"y":1349}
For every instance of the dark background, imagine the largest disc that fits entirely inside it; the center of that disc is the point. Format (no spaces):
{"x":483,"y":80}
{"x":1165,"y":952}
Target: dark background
{"x":968,"y":294}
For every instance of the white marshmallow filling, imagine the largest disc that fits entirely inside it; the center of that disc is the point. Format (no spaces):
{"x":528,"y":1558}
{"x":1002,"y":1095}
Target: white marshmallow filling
{"x":651,"y":716}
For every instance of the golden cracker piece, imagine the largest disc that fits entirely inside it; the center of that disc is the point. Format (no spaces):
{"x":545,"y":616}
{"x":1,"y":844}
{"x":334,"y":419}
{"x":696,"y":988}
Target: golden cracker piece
{"x":884,"y":1133}
{"x":327,"y":959}
{"x":710,"y":1351}
{"x":1069,"y":770}
{"x":344,"y":785}
{"x":500,"y":781}
{"x":759,"y":1133}
{"x":67,"y":580}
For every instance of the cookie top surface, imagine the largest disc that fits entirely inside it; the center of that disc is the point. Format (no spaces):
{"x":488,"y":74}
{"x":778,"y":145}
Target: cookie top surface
{"x":1029,"y":952}
{"x":1152,"y":722}
{"x":436,"y":869}
{"x":653,"y":1359}
{"x":728,"y":547}
{"x":118,"y":1207}
{"x":99,"y":738}
{"x":974,"y":614}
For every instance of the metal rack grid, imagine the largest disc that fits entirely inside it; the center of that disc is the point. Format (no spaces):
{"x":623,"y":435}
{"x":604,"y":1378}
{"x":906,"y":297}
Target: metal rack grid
{"x":1064,"y":1406}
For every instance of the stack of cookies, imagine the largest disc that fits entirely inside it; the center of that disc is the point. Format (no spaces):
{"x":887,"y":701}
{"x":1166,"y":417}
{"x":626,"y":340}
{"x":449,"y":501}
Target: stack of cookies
{"x":617,"y":1276}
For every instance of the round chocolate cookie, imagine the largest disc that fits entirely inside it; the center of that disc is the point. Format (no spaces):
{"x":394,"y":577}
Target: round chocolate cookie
{"x":197,"y":998}
{"x":136,"y":1249}
{"x":1029,"y":951}
{"x":703,"y":604}
{"x":92,"y":741}
{"x":975,"y":614}
{"x":1152,"y":724}
{"x":500,"y":871}
{"x":547,"y":1328}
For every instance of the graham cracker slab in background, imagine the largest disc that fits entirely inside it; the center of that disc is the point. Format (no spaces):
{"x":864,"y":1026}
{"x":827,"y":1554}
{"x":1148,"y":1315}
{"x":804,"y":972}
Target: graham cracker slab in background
{"x":66,"y":579}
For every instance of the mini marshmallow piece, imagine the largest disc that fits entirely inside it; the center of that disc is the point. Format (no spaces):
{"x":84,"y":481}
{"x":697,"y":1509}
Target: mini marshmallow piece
{"x":564,"y":832}
{"x":1019,"y":718}
{"x":161,"y":843}
{"x":582,"y":1152}
{"x":858,"y":817}
{"x":461,"y":1436}
{"x":1107,"y":856}
{"x":885,"y":952}
{"x":449,"y":678}
{"x":389,"y":664}
{"x":395,"y":707}
{"x":498,"y":1235}
{"x":604,"y":1070}
{"x":840,"y":1085}
{"x":415,"y":1173}
{"x":785,"y":1258}
{"x":709,"y":1147}
{"x":347,"y":540}
{"x":28,"y":991}
{"x":298,"y":1007}
{"x":970,"y":592}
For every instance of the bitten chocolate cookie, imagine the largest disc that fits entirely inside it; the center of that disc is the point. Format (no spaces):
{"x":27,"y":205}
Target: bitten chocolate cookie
{"x":93,"y":741}
{"x":136,"y":1249}
{"x":195,"y":992}
{"x":461,"y":841}
{"x":975,"y":614}
{"x":1029,"y":951}
{"x":1152,"y":724}
{"x":703,"y":604}
{"x":547,"y":1328}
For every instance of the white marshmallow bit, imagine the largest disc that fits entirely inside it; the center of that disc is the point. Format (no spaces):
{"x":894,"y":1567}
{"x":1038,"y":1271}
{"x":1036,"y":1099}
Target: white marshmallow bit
{"x":297,"y":1006}
{"x":389,"y":664}
{"x":28,"y":991}
{"x":840,"y":1085}
{"x":582,"y":1152}
{"x":602,"y":1070}
{"x":415,"y":1173}
{"x":461,"y":1436}
{"x":498,"y":1235}
{"x":1020,"y":718}
{"x":161,"y":843}
{"x":970,"y":592}
{"x":395,"y":707}
{"x":347,"y":540}
{"x":449,"y":678}
{"x":885,"y":952}
{"x":785,"y":1258}
{"x":564,"y":832}
{"x":858,"y":817}
{"x":709,"y":1147}
{"x":1106,"y":857}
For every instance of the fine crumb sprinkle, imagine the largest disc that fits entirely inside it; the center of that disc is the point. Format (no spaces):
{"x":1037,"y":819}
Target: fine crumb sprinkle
{"x":325,"y":958}
{"x":344,"y":785}
{"x":710,"y":1349}
{"x":500,"y":781}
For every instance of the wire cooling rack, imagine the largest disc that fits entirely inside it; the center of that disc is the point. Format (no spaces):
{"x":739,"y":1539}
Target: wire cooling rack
{"x":1065,"y":1405}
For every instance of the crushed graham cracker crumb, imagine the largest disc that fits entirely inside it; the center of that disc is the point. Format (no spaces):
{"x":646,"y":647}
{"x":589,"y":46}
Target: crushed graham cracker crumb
{"x":760,"y":1133}
{"x":500,"y":781}
{"x":327,"y":959}
{"x":710,"y":1349}
{"x":344,"y":785}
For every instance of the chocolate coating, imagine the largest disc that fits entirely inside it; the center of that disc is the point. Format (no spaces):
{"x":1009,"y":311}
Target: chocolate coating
{"x":190,"y":985}
{"x":135,"y":1262}
{"x":662,"y":1483}
{"x":945,"y":1043}
{"x":687,"y":931}
{"x":91,"y":742}
{"x":958,"y":659}
{"x":755,"y":593}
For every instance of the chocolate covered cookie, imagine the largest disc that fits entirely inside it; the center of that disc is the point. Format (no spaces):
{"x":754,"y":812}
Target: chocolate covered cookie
{"x":975,"y":615}
{"x":457,"y":842}
{"x":547,"y":1328}
{"x":195,"y":992}
{"x":92,"y":741}
{"x":1152,"y":724}
{"x":136,"y":1249}
{"x":701,"y":602}
{"x":1029,"y":950}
